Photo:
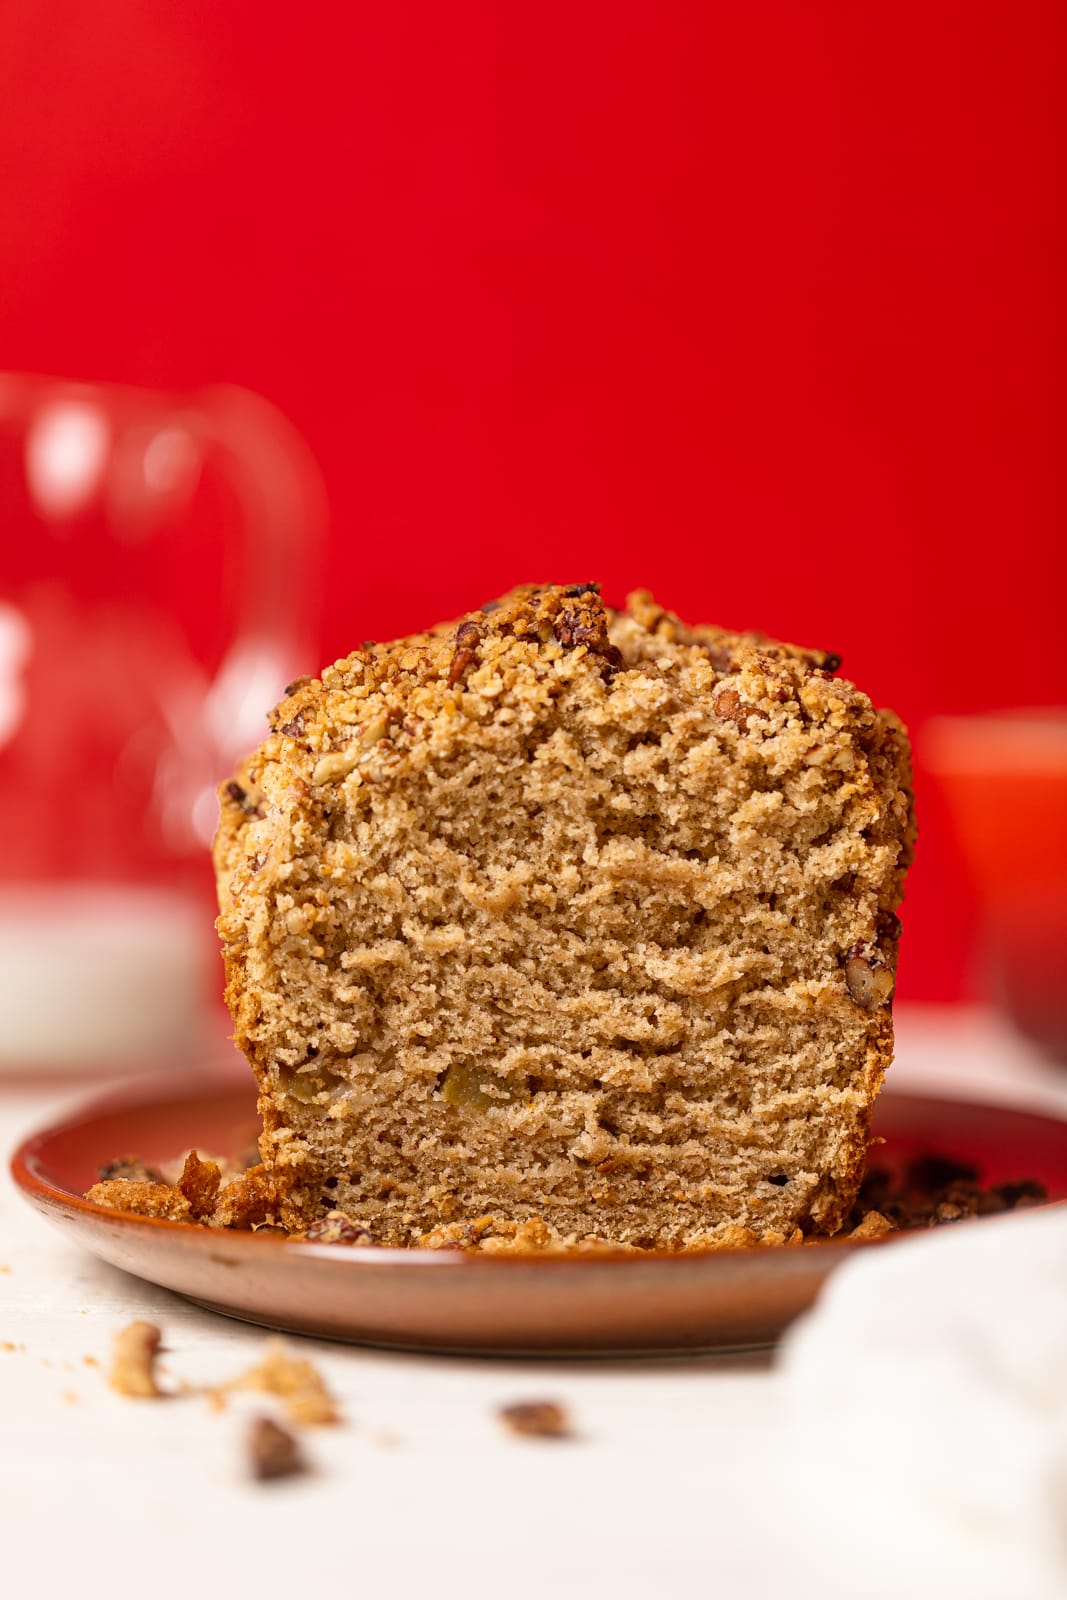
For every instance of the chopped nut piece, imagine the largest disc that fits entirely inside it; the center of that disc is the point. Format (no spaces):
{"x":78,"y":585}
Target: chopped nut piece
{"x":272,"y":1451}
{"x":537,"y":1419}
{"x":457,"y":1235}
{"x":134,"y":1361}
{"x":250,"y":803}
{"x":337,"y":765}
{"x":869,"y":982}
{"x":144,"y":1199}
{"x":296,"y":1383}
{"x":530,"y":1238}
{"x":335,"y":1228}
{"x":873,"y":1226}
{"x":468,"y":638}
{"x":199,"y":1183}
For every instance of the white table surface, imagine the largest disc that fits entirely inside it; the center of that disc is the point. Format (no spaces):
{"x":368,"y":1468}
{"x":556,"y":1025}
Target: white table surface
{"x":668,"y":1488}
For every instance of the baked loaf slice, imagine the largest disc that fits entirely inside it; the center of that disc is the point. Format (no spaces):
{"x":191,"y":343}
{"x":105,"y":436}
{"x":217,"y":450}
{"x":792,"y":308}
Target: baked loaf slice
{"x":568,"y":914}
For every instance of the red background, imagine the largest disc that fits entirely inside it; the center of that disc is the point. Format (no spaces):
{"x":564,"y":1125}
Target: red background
{"x":758,"y":304}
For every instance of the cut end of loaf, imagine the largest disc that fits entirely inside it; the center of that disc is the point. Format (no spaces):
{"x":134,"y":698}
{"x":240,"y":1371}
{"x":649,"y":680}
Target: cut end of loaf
{"x":568,"y":913}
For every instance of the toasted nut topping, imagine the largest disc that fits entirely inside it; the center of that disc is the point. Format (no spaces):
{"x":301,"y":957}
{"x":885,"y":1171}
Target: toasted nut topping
{"x":272,"y":1451}
{"x":729,"y":705}
{"x":336,"y":1228}
{"x":133,"y":1363}
{"x":537,"y":1419}
{"x":337,"y":765}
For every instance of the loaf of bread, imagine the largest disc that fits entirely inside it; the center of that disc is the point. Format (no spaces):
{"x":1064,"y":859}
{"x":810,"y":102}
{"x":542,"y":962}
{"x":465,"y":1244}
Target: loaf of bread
{"x":567,"y":924}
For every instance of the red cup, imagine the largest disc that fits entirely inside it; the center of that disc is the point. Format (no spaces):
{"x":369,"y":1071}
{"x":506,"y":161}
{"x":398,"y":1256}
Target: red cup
{"x":1004,"y":778}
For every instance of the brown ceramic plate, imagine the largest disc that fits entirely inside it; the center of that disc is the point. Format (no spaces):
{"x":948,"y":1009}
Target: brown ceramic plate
{"x":445,"y":1300}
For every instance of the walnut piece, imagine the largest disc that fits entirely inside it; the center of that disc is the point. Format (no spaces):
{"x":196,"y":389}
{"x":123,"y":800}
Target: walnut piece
{"x":336,"y":1228}
{"x":537,"y":1419}
{"x":133,"y":1362}
{"x":272,"y":1451}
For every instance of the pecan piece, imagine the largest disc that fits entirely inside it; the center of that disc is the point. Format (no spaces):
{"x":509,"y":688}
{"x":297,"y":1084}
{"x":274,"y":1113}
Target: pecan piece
{"x":250,"y":804}
{"x":728,"y":705}
{"x":468,"y":638}
{"x":336,"y":1228}
{"x":537,"y":1419}
{"x":272,"y":1451}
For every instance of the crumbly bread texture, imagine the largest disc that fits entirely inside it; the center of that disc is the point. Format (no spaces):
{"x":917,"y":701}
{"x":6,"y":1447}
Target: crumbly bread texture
{"x":569,"y":914}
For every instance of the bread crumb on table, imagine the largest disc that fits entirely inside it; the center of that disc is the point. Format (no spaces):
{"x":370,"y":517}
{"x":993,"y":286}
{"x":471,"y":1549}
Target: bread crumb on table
{"x":294,"y":1381}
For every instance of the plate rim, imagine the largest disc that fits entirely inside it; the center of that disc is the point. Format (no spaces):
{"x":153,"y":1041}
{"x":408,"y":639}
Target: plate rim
{"x":25,"y":1167}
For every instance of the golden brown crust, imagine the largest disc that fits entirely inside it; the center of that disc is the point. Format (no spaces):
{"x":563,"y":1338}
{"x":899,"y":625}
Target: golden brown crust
{"x":594,"y":910}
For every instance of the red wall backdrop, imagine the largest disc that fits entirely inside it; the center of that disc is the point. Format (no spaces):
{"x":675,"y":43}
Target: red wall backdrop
{"x":758,"y":304}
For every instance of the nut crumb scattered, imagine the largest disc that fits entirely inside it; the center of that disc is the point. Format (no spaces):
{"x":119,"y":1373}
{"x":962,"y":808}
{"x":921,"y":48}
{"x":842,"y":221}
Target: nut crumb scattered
{"x":133,"y":1366}
{"x":295,"y":1382}
{"x":335,"y":1228}
{"x":935,"y":1189}
{"x":873,"y":1226}
{"x":537,"y":1419}
{"x":273,"y":1452}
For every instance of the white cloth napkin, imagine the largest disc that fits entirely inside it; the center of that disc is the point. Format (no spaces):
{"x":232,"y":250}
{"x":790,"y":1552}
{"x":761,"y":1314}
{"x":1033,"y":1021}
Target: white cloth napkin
{"x":926,"y":1399}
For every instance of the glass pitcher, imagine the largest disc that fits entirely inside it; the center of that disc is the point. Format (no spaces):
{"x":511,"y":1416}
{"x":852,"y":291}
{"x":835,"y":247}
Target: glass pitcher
{"x":160,"y":563}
